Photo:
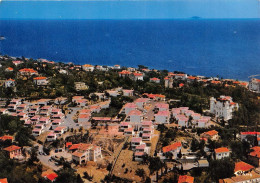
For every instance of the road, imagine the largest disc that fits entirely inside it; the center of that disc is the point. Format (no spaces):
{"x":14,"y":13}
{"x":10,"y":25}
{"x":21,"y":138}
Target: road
{"x":45,"y":159}
{"x":68,"y":121}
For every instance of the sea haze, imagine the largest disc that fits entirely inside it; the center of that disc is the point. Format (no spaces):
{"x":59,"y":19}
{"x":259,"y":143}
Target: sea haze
{"x":226,"y":47}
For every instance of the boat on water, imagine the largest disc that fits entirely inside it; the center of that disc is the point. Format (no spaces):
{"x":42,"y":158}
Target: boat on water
{"x":2,"y":38}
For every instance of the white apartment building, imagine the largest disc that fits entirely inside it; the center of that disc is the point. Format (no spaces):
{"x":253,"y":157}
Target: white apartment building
{"x":223,"y":107}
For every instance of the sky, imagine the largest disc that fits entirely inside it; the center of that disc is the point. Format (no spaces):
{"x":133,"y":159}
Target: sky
{"x":129,"y":9}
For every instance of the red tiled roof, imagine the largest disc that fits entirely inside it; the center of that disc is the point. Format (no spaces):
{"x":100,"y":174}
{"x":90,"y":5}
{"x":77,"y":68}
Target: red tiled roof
{"x":12,"y":148}
{"x":250,"y":133}
{"x":185,"y":179}
{"x":39,"y":78}
{"x":171,"y":147}
{"x":52,"y":176}
{"x":27,"y":70}
{"x":211,"y":133}
{"x":242,"y":166}
{"x":6,"y":137}
{"x":155,"y":79}
{"x":181,"y":85}
{"x":221,"y":150}
{"x":4,"y":180}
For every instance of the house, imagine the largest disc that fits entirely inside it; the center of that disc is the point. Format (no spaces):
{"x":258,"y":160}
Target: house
{"x":11,"y":107}
{"x":85,"y":111}
{"x":81,"y":102}
{"x":245,"y":135}
{"x":254,"y":85}
{"x":184,"y":109}
{"x":35,"y":119}
{"x":168,"y":82}
{"x":79,"y":86}
{"x":85,"y":152}
{"x":221,"y":153}
{"x":49,"y":175}
{"x":6,"y":137}
{"x":60,"y":130}
{"x":117,"y":67}
{"x":113,"y":93}
{"x":174,"y":149}
{"x":252,"y":177}
{"x":76,"y":98}
{"x":136,"y":141}
{"x":161,"y":107}
{"x":17,"y":62}
{"x":36,"y":132}
{"x":242,"y":168}
{"x":124,"y":73}
{"x":254,"y":156}
{"x":223,"y":107}
{"x":185,"y":179}
{"x":84,"y":118}
{"x":183,"y":121}
{"x":128,"y":93}
{"x":45,"y":110}
{"x":21,"y":108}
{"x":124,"y":125}
{"x":88,"y":67}
{"x":57,"y":116}
{"x":181,"y":85}
{"x":9,"y":69}
{"x":40,"y":81}
{"x":175,"y":112}
{"x":135,"y":116}
{"x":147,"y":124}
{"x":129,"y":107}
{"x":195,"y":116}
{"x":14,"y":151}
{"x":22,"y":115}
{"x":203,"y":123}
{"x":155,"y":80}
{"x":35,"y":108}
{"x":43,"y":102}
{"x":3,"y":111}
{"x":9,"y":83}
{"x":162,"y":117}
{"x":140,"y":151}
{"x":136,"y":76}
{"x":147,"y":134}
{"x":55,"y":111}
{"x":212,"y":135}
{"x":140,"y":102}
{"x":180,"y":76}
{"x":129,"y":131}
{"x":32,"y":113}
{"x":95,"y":108}
{"x":55,"y":123}
{"x":28,"y":72}
{"x":51,"y":136}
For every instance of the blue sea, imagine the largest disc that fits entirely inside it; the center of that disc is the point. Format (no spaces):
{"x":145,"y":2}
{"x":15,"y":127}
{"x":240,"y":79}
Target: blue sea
{"x":227,"y":48}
